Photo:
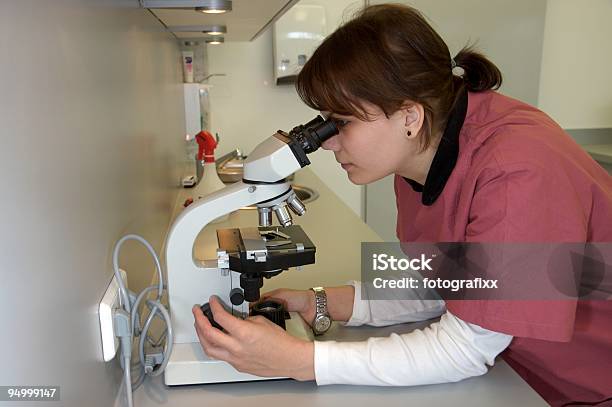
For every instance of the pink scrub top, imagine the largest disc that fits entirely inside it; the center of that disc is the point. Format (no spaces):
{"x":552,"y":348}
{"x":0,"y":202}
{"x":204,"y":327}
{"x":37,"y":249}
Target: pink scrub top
{"x":506,"y":172}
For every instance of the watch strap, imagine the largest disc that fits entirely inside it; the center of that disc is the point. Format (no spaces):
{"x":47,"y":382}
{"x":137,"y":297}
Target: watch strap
{"x":320,"y":308}
{"x":320,"y":301}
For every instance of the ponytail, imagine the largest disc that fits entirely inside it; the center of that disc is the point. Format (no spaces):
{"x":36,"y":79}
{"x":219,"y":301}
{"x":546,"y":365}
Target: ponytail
{"x":480,"y":74}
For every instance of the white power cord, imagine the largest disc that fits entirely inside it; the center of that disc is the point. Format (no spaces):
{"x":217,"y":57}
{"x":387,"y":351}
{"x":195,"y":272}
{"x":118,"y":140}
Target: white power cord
{"x":127,"y":324}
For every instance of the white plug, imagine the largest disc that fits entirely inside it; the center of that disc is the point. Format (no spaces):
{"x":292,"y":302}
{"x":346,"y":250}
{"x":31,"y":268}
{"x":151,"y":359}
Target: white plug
{"x":110,"y":302}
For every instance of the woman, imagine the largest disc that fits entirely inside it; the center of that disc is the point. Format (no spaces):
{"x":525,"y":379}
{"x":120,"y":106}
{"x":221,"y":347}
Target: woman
{"x":470,"y":165}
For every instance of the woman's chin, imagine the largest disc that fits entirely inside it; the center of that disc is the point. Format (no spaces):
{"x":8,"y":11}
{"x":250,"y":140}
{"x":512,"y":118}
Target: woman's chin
{"x":360,"y":178}
{"x":356,"y":179}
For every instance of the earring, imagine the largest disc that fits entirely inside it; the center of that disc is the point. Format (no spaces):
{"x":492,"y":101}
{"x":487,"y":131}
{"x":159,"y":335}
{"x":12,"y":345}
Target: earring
{"x":409,"y":133}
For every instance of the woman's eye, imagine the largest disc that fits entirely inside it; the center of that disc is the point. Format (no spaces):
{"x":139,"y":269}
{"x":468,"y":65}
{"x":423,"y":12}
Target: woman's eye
{"x":341,"y":123}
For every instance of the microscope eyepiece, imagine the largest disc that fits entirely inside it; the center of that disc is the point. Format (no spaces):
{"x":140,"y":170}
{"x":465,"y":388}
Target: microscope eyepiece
{"x":311,"y":135}
{"x":307,"y":138}
{"x":314,"y":122}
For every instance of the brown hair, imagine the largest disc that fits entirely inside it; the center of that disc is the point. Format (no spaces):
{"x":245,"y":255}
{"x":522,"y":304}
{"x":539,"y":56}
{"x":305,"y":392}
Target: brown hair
{"x":386,"y":55}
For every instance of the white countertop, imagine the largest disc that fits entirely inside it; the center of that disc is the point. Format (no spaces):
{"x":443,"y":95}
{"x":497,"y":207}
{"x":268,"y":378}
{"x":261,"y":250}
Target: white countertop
{"x":337,"y":232}
{"x":500,"y":387}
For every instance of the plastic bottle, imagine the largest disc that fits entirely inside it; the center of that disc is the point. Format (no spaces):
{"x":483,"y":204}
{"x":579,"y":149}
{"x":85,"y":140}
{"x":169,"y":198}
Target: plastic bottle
{"x":187,"y":66}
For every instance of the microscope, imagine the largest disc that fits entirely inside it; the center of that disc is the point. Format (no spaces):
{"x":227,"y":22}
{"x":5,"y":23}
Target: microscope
{"x":245,"y":255}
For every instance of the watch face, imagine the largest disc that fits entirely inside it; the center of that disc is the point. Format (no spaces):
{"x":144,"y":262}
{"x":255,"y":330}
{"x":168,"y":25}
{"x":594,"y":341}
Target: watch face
{"x":322,"y":323}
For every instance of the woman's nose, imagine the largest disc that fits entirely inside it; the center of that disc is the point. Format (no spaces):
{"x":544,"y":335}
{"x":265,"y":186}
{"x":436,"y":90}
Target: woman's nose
{"x":331,"y":143}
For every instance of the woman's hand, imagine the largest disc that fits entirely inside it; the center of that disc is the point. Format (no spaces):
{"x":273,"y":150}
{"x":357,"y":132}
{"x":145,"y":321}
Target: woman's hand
{"x":300,"y":301}
{"x":254,"y":345}
{"x":339,"y":302}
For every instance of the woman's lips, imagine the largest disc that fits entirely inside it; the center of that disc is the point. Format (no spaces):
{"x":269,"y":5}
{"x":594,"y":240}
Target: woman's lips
{"x":346,"y":167}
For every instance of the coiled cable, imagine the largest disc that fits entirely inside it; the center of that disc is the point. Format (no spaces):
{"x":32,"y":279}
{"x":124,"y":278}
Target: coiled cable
{"x":130,"y":304}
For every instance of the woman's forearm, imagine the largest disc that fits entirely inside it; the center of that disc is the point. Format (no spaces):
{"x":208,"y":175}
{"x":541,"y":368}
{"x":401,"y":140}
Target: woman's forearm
{"x":446,"y":351}
{"x":340,"y":302}
{"x":411,"y":307}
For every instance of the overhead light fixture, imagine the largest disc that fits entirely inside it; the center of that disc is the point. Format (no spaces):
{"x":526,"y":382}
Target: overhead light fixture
{"x":215,"y":41}
{"x":214,"y":32}
{"x":205,"y":6}
{"x":216,"y":7}
{"x":205,"y":29}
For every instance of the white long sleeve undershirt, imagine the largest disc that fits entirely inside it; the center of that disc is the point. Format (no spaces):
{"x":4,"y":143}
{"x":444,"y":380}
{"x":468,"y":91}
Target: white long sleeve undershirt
{"x":446,"y":351}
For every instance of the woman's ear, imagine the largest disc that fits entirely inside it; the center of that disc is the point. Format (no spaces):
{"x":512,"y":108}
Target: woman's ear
{"x":414,"y":117}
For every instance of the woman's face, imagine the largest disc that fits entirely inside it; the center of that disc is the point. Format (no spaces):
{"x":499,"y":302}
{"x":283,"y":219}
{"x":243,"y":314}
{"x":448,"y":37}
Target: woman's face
{"x":371,"y":150}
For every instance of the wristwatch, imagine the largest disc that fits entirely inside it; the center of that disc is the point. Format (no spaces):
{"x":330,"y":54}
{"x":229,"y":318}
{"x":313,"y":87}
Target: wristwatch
{"x":322,"y":321}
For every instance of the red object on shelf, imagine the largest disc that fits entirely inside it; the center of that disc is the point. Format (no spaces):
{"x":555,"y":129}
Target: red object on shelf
{"x":206,"y":146}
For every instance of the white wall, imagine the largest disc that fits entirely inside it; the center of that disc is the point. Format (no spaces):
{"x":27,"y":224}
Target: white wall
{"x":91,"y":129}
{"x":576,"y":84}
{"x":247,"y":107}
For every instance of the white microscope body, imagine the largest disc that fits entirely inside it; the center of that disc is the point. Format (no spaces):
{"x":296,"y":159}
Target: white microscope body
{"x":192,"y":281}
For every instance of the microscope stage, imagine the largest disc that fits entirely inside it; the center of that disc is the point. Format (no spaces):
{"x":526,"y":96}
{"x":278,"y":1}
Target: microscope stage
{"x":257,"y":250}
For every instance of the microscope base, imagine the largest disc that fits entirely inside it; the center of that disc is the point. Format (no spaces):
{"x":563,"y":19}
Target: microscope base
{"x":189,"y":364}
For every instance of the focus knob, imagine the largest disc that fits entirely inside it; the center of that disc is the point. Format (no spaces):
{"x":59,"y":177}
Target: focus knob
{"x":236,"y":296}
{"x":272,"y":310}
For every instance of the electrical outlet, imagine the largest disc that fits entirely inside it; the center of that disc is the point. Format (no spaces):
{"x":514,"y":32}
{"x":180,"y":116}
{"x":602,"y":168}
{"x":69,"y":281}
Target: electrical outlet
{"x":110,"y":302}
